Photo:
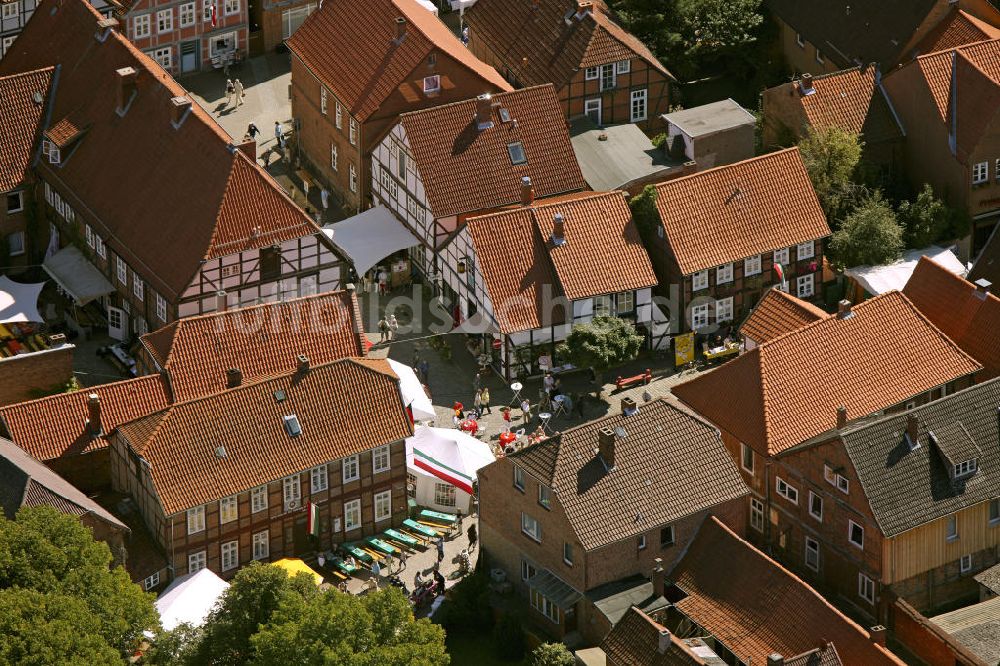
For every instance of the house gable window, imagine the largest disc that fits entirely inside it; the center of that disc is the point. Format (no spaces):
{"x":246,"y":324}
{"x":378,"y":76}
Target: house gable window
{"x":432,"y":84}
{"x":196,"y":520}
{"x":723,"y":274}
{"x":352,"y":471}
{"x":790,"y":493}
{"x":352,"y":515}
{"x":724,"y":309}
{"x":383,"y":505}
{"x":699,"y":281}
{"x":855,"y":534}
{"x":751,"y":265}
{"x":980,"y":172}
{"x":781,"y":256}
{"x":757,"y":514}
{"x":699,"y":316}
{"x":258,"y":499}
{"x":805,"y":250}
{"x":666,"y":536}
{"x":530,"y":527}
{"x":804,"y":286}
{"x":519,"y":478}
{"x":866,"y":588}
{"x":815,"y":506}
{"x":746,"y":457}
{"x":812,"y":553}
{"x":228,"y":509}
{"x":380,"y":459}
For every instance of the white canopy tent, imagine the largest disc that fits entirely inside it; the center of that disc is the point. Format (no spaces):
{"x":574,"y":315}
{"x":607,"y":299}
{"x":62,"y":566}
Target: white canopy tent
{"x":18,"y":301}
{"x":76,"y":275}
{"x":429,"y":6}
{"x":190,"y":598}
{"x":445,"y":457}
{"x":880,"y":279}
{"x":414,"y":395}
{"x":370,"y":237}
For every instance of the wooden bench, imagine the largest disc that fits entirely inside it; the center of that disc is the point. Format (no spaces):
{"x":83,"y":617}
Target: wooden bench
{"x":641,"y":378}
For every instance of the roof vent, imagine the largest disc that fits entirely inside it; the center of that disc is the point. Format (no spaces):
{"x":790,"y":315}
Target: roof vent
{"x":279,"y":396}
{"x":400,"y":29}
{"x":104,"y":28}
{"x":504,"y":115}
{"x":292,"y":425}
{"x":37,"y":98}
{"x":806,"y":85}
{"x":844,"y":310}
{"x":484,"y":112}
{"x":982,"y":288}
{"x":234,"y":377}
{"x":220,"y":452}
{"x":303,"y":363}
{"x":558,"y":229}
{"x":527,"y":191}
{"x":180,"y":107}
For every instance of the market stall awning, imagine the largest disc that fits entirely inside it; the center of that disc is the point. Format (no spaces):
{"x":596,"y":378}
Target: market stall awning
{"x":190,"y":598}
{"x":449,"y":454}
{"x":414,"y":395}
{"x":18,"y":301}
{"x":370,"y":237}
{"x":77,"y":276}
{"x":549,"y":586}
{"x":295,"y":566}
{"x":880,"y":279}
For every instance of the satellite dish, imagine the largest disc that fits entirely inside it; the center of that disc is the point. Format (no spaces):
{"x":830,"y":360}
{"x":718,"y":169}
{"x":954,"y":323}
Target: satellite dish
{"x":620,"y":432}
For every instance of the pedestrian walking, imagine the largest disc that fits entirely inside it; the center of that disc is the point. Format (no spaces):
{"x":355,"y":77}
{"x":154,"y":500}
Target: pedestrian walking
{"x":376,"y":569}
{"x":278,"y":134}
{"x":484,"y":399}
{"x":383,"y":281}
{"x":238,"y":86}
{"x":506,"y":418}
{"x":252,"y":131}
{"x":525,"y":411}
{"x":402,"y":559}
{"x":477,"y":382}
{"x":473,"y":537}
{"x":425,"y":368}
{"x":477,"y":403}
{"x":393,"y":326}
{"x":383,"y":330}
{"x":458,"y":521}
{"x":440,"y":548}
{"x":577,"y":399}
{"x":549,"y":383}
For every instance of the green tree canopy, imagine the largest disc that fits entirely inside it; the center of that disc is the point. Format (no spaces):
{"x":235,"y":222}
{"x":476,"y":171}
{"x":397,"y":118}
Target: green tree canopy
{"x":552,"y":654}
{"x":645,"y":213}
{"x":601,"y":344}
{"x":869,"y":236}
{"x":831,"y":158}
{"x":59,"y":594}
{"x":927,"y":220}
{"x":339,"y":629}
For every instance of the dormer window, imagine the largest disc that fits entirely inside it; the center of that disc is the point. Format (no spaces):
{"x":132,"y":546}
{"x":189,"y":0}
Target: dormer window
{"x":432,"y":84}
{"x":52,"y":152}
{"x":965,"y":468}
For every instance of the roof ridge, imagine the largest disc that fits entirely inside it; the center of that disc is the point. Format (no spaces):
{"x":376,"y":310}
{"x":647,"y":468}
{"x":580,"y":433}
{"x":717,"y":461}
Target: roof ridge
{"x":471,"y":100}
{"x":83,"y":389}
{"x":758,"y":158}
{"x":955,"y":49}
{"x":30,"y":72}
{"x":538,"y":205}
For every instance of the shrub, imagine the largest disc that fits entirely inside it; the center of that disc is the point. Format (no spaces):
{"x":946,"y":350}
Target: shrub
{"x":552,"y":654}
{"x":508,"y":636}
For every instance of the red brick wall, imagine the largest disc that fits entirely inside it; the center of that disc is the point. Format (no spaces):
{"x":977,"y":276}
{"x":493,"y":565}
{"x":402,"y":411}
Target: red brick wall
{"x":926,"y":640}
{"x":89,"y":472}
{"x":22,"y":376}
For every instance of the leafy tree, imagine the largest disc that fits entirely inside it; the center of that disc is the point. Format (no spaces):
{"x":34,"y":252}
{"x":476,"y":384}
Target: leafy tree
{"x":870,"y":235}
{"x":508,"y":637}
{"x":710,"y":27}
{"x":831,"y":158}
{"x":175,"y":647}
{"x":50,"y":562}
{"x":645,"y":214}
{"x":552,"y":654}
{"x":601,"y":344}
{"x":467,"y":608}
{"x":924,"y":220}
{"x":333,"y":628}
{"x":254,"y":595}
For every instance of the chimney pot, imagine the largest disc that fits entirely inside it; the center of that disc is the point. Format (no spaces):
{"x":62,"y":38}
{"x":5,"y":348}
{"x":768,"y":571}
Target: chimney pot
{"x":484,"y":112}
{"x":658,"y":577}
{"x":558,"y":229}
{"x":606,"y":446}
{"x":57,"y":340}
{"x":126,"y":86}
{"x":878,"y":634}
{"x":234,"y":377}
{"x":775,"y":659}
{"x":303,"y":363}
{"x":179,"y":107}
{"x":527,"y":191}
{"x":629,"y":407}
{"x":400,"y":28}
{"x":912,"y":428}
{"x":94,"y":415}
{"x":844,"y":309}
{"x":806,"y":83}
{"x":841,"y":417}
{"x":664,"y":641}
{"x":582,"y":7}
{"x":221,"y":301}
{"x":983,"y":287}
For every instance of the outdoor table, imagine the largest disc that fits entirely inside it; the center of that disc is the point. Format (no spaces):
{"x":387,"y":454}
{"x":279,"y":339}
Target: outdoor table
{"x":421,"y":529}
{"x":722,"y":351}
{"x":470,"y":426}
{"x":516,"y":388}
{"x":359,"y":554}
{"x":507,"y":438}
{"x":400,"y":537}
{"x":383,"y":546}
{"x":545,"y":417}
{"x":344,"y":567}
{"x":438,"y":516}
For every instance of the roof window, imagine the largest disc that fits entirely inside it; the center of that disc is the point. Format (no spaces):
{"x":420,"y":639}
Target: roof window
{"x":292,"y":425}
{"x":516,"y":152}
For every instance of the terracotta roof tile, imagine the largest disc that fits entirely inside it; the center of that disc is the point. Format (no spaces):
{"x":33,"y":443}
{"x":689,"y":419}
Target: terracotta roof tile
{"x":22,"y":119}
{"x":884,"y":353}
{"x":778,"y":313}
{"x":56,"y":426}
{"x":200,"y":197}
{"x":740,"y":210}
{"x":260,"y":341}
{"x":351,"y":47}
{"x":538,"y":46}
{"x":635,"y":641}
{"x":603,"y":508}
{"x":466,"y":170}
{"x":181,"y":442}
{"x":518,"y":259}
{"x":756,"y":607}
{"x":958,"y":28}
{"x":953,"y":305}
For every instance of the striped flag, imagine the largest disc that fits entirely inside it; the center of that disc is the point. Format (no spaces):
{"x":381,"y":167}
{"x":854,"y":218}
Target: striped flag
{"x":213,"y":15}
{"x":313,"y":524}
{"x":779,"y":271}
{"x":442,"y":471}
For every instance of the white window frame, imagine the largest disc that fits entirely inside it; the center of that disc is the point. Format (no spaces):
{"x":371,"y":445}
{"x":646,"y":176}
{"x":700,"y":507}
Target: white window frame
{"x":744,"y":450}
{"x":15,"y":243}
{"x":102,"y":250}
{"x":196,"y":519}
{"x":843,"y":484}
{"x":993,"y":515}
{"x":751,"y":266}
{"x":609,"y":80}
{"x":165,"y":21}
{"x":724,"y":309}
{"x":699,"y":280}
{"x":528,"y":570}
{"x":261,"y":545}
{"x":380,"y":453}
{"x":382,"y":505}
{"x":568,"y":553}
{"x":353,"y":178}
{"x":186,"y":14}
{"x":724,"y":274}
{"x":812,"y":498}
{"x":786,"y":490}
{"x":231,"y":40}
{"x":197,"y":561}
{"x":20,"y":201}
{"x":530,"y":527}
{"x":89,"y":232}
{"x":966,"y":467}
{"x":756,"y":514}
{"x":319,"y":480}
{"x":351,"y":468}
{"x":258,"y":499}
{"x":138,"y":287}
{"x":965,"y":563}
{"x":352,"y":515}
{"x":805,"y":285}
{"x":638,"y":105}
{"x":805,"y":250}
{"x":866,"y":588}
{"x":291,"y":492}
{"x":122,"y":270}
{"x":850,"y":534}
{"x":623,"y":66}
{"x":544,"y":496}
{"x":151,"y":581}
{"x":230,"y":555}
{"x":544,"y":605}
{"x":445,"y":494}
{"x":229,"y":509}
{"x":592,"y":73}
{"x":141,"y":26}
{"x":673,"y":536}
{"x":161,"y":303}
{"x":322,"y":99}
{"x":951,"y":528}
{"x":519,"y":478}
{"x":781,"y":256}
{"x":432,"y":84}
{"x":591,"y":105}
{"x":980,"y":172}
{"x":206,"y":10}
{"x":333,"y":156}
{"x":799,"y":40}
{"x":11,"y":9}
{"x":231,"y":7}
{"x":819,"y":57}
{"x":699,"y":316}
{"x":339,"y":115}
{"x":640,"y":543}
{"x":812,"y":546}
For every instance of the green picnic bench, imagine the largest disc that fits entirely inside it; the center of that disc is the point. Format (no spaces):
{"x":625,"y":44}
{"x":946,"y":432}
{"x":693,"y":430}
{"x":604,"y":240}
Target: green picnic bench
{"x":401,"y":538}
{"x":421,"y":529}
{"x":344,"y":567}
{"x":448,"y":518}
{"x":382,"y":546}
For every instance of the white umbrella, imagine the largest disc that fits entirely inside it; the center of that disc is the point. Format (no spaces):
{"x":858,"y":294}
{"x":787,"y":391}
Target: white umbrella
{"x":19,"y":302}
{"x":414,"y":395}
{"x":449,"y":454}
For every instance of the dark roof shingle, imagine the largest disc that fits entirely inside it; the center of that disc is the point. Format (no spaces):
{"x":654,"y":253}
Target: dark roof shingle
{"x":635,"y":641}
{"x":778,"y":313}
{"x":22,"y":118}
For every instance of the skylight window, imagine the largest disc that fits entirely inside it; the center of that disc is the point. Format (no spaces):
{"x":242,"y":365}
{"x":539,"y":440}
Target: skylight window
{"x":292,"y":426}
{"x":516,"y":151}
{"x":504,"y":115}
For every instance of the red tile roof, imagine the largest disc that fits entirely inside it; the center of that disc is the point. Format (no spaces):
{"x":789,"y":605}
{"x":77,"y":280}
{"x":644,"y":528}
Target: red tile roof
{"x":56,"y":426}
{"x":956,"y":29}
{"x":260,"y":341}
{"x":952,"y":304}
{"x":199,"y":196}
{"x":352,"y":48}
{"x":534,"y":40}
{"x":635,"y":641}
{"x":602,"y":255}
{"x":466,"y":170}
{"x":22,"y":119}
{"x":740,"y":210}
{"x":789,"y":388}
{"x":344,"y":407}
{"x":756,"y":607}
{"x":778,"y":313}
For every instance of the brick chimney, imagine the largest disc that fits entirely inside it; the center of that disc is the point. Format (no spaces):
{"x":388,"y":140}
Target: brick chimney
{"x":94,"y":415}
{"x":126,"y":87}
{"x":582,"y":7}
{"x":234,"y":377}
{"x":179,"y":108}
{"x":527,"y":191}
{"x":912,"y":428}
{"x":775,"y":659}
{"x":302,"y":363}
{"x":606,"y":447}
{"x":841,"y":417}
{"x":844,"y":310}
{"x":629,"y":407}
{"x":982,"y":288}
{"x":104,"y":28}
{"x":558,"y":229}
{"x":806,"y":84}
{"x":484,"y":112}
{"x":877,"y":634}
{"x":659,"y":584}
{"x":221,"y":301}
{"x":400,"y":28}
{"x":663,"y":641}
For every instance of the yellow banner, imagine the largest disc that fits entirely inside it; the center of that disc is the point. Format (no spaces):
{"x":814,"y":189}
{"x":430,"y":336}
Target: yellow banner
{"x":683,"y":349}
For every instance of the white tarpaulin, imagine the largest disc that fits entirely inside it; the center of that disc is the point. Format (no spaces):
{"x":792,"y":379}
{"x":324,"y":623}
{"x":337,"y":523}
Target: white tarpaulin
{"x":880,"y":279}
{"x":413,"y":392}
{"x":449,"y":454}
{"x":76,"y":275}
{"x":370,"y":237}
{"x":190,"y":598}
{"x":19,"y":302}
{"x":461,"y":5}
{"x":429,"y":6}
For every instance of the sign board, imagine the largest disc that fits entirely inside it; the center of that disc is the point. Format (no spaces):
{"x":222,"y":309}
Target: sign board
{"x":683,"y":349}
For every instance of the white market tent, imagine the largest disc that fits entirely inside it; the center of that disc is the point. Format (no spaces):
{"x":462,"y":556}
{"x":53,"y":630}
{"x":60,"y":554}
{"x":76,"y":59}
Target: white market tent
{"x":370,"y":237}
{"x":413,"y":392}
{"x":446,"y":457}
{"x":190,"y":598}
{"x":880,"y":279}
{"x":75,"y":275}
{"x":18,"y":301}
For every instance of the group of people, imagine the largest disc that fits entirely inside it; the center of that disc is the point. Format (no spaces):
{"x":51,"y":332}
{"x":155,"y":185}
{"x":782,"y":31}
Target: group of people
{"x":234,"y":89}
{"x":387,"y":328}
